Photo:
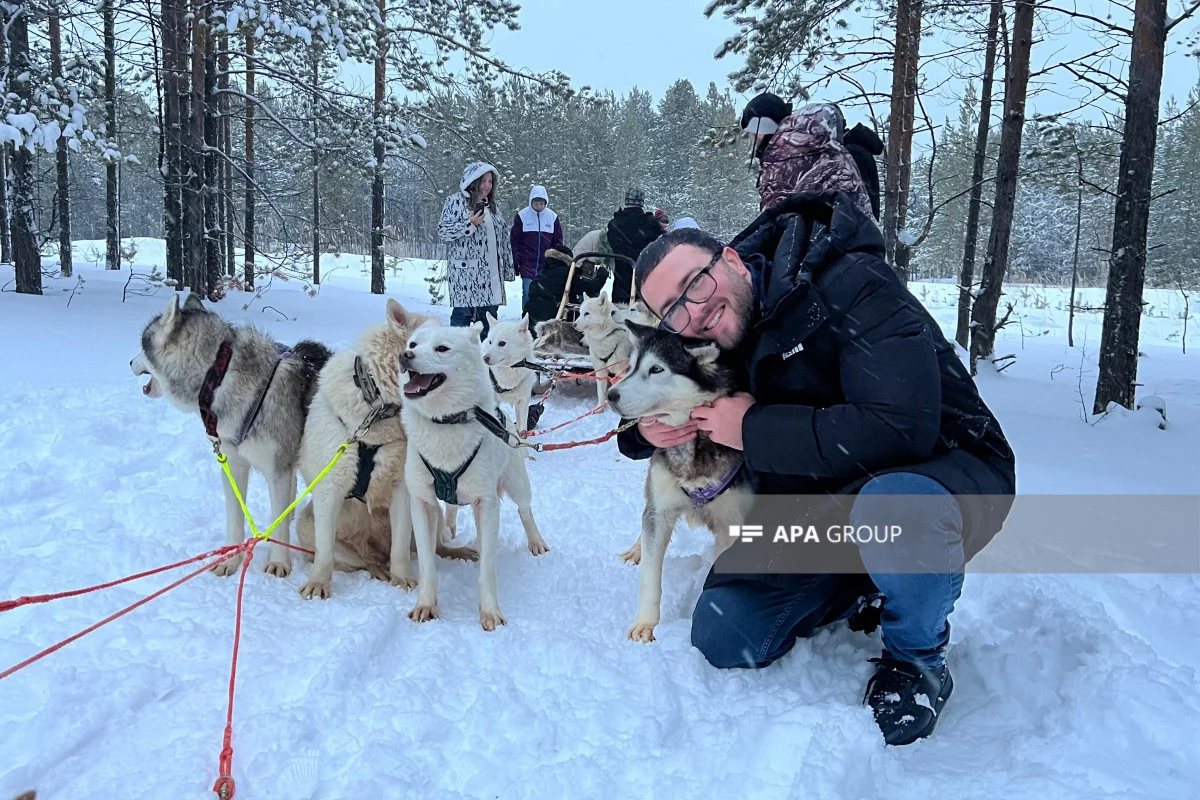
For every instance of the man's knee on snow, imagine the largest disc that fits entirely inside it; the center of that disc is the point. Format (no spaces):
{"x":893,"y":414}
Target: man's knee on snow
{"x":719,"y":632}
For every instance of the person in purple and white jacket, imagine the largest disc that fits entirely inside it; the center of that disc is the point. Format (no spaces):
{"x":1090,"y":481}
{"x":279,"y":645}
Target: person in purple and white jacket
{"x":535,"y":230}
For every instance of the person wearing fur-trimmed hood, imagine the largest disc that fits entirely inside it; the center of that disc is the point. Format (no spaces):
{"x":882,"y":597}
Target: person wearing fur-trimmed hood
{"x":535,"y":229}
{"x":478,"y":262}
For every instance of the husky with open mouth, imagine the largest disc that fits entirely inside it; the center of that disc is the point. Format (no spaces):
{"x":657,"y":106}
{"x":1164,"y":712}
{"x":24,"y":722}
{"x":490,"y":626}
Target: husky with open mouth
{"x":460,"y":452}
{"x":359,"y":515}
{"x":700,"y":480}
{"x":250,"y":391}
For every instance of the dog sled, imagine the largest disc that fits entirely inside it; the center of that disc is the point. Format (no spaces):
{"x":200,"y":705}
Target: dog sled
{"x":559,"y":347}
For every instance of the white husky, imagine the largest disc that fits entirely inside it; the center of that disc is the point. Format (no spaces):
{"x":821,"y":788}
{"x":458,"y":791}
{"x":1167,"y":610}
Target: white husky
{"x":456,"y":455}
{"x":700,"y":480}
{"x":359,"y":515}
{"x":509,"y":343}
{"x":607,"y":340}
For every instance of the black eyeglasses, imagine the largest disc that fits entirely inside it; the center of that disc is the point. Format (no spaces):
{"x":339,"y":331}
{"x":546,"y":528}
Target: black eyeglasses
{"x":698,"y":290}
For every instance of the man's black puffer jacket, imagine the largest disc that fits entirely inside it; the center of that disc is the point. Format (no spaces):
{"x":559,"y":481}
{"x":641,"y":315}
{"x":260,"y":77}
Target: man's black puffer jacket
{"x":852,"y":376}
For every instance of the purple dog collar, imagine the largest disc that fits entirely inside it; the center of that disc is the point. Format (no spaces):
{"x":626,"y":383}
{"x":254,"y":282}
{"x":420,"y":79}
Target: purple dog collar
{"x":706,"y":494}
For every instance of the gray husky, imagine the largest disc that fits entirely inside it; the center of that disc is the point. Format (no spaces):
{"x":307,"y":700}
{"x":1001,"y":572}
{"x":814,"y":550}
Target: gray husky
{"x":253,"y":393}
{"x":701,"y":481}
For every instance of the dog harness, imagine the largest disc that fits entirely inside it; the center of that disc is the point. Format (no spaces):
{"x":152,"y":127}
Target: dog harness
{"x":706,"y":494}
{"x":366,"y":452}
{"x":212,"y":381}
{"x":282,"y":351}
{"x":445,"y":482}
{"x":496,"y":384}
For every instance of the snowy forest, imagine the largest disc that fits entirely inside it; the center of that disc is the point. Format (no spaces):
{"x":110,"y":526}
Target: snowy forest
{"x":244,"y":134}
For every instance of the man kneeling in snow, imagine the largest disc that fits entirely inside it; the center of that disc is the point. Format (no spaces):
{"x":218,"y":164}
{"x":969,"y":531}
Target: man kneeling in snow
{"x":855,"y":393}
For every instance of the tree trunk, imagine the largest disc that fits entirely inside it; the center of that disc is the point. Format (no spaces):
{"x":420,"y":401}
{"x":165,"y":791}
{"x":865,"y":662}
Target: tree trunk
{"x":65,"y":265}
{"x":5,"y":160}
{"x":172,"y":149}
{"x":227,"y":204}
{"x":966,"y":278}
{"x":1016,"y":84}
{"x":316,"y":172}
{"x":377,"y":278}
{"x":900,"y":132}
{"x":112,"y":232}
{"x":1119,"y":336}
{"x":212,"y":218}
{"x":1078,"y":236}
{"x":26,"y":258}
{"x":194,"y":249}
{"x":248,"y":233}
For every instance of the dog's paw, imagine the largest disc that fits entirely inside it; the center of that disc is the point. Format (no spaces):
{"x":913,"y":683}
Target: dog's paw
{"x":318,"y":589}
{"x":423,"y":612}
{"x":227,"y":567}
{"x":404,"y":582}
{"x":278,"y":569}
{"x":642,"y":632}
{"x":634,"y":554}
{"x":461,"y":553}
{"x":539,"y":547}
{"x":490,"y":620}
{"x":378,"y":573}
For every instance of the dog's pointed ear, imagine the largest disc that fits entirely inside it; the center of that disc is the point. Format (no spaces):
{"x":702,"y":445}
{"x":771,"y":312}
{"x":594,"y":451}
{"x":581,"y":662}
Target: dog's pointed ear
{"x":603,"y":297}
{"x":491,"y":320}
{"x":524,"y":324}
{"x":193,"y":303}
{"x":640,"y":331}
{"x":170,"y":314}
{"x":476,"y":326}
{"x":705,"y":353}
{"x":397,"y":315}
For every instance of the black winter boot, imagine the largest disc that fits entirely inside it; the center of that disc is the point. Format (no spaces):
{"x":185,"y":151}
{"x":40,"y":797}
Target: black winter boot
{"x":907,"y":698}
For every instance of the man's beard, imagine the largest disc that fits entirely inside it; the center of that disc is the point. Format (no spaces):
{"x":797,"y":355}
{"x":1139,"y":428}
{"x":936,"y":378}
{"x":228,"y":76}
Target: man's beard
{"x":741,"y":304}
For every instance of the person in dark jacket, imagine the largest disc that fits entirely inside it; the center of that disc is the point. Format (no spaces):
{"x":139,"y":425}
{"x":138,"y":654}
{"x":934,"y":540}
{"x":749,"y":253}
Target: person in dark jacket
{"x":535,"y":229}
{"x":810,"y":150}
{"x":864,"y":144}
{"x":856,"y":397}
{"x":546,"y":291}
{"x":629,"y":231}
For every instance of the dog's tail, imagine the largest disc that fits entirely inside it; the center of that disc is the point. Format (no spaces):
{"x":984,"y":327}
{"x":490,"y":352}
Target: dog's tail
{"x":312,"y":357}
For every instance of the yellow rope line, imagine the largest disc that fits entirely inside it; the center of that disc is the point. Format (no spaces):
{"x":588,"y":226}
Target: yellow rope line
{"x":224,"y":462}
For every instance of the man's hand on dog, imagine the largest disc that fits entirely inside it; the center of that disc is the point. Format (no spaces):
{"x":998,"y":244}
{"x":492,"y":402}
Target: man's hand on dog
{"x":722,"y":421}
{"x":662,"y":435}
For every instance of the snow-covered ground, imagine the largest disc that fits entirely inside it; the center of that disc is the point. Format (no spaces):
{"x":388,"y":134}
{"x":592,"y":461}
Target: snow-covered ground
{"x":1067,"y":686}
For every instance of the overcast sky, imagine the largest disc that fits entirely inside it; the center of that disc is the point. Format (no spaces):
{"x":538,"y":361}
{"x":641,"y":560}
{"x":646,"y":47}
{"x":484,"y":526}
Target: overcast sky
{"x":620,"y":44}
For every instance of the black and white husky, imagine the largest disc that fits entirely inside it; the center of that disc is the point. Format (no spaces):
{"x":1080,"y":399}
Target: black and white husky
{"x":701,"y":481}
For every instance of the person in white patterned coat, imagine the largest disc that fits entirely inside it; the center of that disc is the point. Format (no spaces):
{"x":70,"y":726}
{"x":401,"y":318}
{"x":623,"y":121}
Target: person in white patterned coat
{"x":477,"y":252}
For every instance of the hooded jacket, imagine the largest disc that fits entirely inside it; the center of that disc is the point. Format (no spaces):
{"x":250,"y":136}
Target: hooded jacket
{"x":533,"y":234}
{"x":478,"y":262}
{"x":852,"y":376}
{"x":806,"y":154}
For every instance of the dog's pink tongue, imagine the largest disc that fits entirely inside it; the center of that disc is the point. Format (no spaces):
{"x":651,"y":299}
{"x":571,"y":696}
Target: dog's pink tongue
{"x":417,"y":382}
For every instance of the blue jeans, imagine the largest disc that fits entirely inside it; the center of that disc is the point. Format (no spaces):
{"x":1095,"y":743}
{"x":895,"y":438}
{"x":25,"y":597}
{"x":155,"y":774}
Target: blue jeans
{"x":463,"y":316}
{"x":525,"y":292}
{"x":750,"y":623}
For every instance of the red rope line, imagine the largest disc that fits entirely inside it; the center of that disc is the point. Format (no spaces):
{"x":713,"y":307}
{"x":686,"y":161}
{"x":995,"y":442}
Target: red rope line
{"x":224,"y":787}
{"x":8,"y":605}
{"x":55,"y":648}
